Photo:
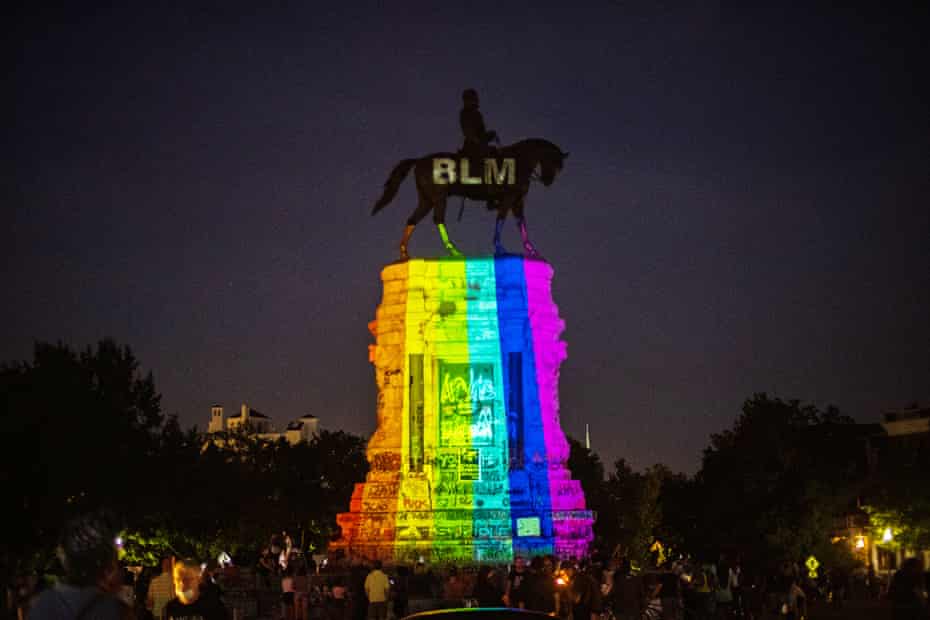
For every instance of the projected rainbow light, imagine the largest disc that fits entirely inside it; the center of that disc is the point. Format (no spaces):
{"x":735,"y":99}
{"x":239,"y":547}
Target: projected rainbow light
{"x":468,"y":462}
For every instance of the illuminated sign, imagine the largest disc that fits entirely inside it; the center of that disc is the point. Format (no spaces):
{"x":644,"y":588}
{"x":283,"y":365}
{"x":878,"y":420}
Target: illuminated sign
{"x":444,"y":172}
{"x":528,"y":526}
{"x":812,"y":565}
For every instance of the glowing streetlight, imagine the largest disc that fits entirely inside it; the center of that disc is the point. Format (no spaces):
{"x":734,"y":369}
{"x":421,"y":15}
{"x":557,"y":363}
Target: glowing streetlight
{"x":886,"y":537}
{"x":860,"y":542}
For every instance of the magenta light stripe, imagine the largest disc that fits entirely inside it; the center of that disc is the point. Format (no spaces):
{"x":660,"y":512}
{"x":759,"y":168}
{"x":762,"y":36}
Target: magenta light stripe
{"x":549,"y":351}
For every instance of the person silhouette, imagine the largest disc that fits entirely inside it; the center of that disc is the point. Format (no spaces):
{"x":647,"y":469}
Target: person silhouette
{"x":88,"y":553}
{"x":477,"y":137}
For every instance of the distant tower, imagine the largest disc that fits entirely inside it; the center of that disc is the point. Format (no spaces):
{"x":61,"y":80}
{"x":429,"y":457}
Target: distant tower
{"x":310,"y":427}
{"x":216,"y":420}
{"x":587,"y":436}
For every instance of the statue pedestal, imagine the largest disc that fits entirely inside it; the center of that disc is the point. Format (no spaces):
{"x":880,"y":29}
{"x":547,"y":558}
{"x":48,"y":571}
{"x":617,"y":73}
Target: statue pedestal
{"x":468,"y":463}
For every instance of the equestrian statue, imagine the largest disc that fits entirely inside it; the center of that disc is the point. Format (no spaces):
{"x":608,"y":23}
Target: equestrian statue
{"x":502,"y":178}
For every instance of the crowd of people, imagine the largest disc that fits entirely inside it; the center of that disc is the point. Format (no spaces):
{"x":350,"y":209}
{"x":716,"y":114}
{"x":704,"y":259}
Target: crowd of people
{"x":614,"y":590}
{"x":721,"y":590}
{"x":95,"y":587}
{"x":546,"y":585}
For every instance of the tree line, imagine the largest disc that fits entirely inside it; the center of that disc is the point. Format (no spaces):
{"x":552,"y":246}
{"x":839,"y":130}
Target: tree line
{"x":85,"y":429}
{"x":781,"y":484}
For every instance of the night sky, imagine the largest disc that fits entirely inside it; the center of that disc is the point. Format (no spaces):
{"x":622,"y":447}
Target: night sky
{"x":745,"y":207}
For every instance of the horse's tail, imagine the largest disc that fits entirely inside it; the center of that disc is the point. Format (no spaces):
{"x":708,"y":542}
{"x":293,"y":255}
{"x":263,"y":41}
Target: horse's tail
{"x":398,"y":174}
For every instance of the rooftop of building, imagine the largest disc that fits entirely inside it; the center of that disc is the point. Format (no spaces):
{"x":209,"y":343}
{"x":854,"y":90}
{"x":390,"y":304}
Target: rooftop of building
{"x":252,"y":414}
{"x":914,"y":412}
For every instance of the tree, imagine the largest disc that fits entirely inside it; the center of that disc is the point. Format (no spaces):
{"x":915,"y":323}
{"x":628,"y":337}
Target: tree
{"x":898,"y":494}
{"x":587,"y":468}
{"x":85,"y":431}
{"x":342,"y":463}
{"x":771,"y":486}
{"x":677,"y":503}
{"x":80,"y":430}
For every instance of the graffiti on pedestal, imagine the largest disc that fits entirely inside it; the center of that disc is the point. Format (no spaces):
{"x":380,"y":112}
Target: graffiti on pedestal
{"x":386,"y":461}
{"x":466,"y":405}
{"x":469,"y":468}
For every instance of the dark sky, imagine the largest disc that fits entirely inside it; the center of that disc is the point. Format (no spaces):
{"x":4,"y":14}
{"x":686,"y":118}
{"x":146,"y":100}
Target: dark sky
{"x":745,"y":207}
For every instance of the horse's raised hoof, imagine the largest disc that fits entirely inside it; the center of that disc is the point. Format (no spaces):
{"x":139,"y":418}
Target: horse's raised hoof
{"x":499,"y":250}
{"x":454,"y":253}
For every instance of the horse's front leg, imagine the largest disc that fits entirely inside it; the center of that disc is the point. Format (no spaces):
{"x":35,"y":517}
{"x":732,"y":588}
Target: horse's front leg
{"x":527,"y":244}
{"x":439,"y":217}
{"x":450,"y":247}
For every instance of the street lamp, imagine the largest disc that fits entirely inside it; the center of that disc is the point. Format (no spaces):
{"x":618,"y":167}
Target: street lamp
{"x":860,"y":542}
{"x":886,"y":536}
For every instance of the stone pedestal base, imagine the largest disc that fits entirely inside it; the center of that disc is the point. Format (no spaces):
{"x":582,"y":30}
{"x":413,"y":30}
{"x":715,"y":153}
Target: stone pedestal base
{"x":468,"y":463}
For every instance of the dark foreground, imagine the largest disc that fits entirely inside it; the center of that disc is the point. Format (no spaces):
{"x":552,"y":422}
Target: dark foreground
{"x":853,"y":610}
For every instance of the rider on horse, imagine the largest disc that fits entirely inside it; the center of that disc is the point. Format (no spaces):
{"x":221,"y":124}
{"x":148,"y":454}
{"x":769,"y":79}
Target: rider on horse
{"x":529,"y":159}
{"x":477,"y":137}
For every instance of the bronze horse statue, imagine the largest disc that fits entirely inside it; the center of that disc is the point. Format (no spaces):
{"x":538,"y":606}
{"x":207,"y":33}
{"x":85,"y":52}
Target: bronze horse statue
{"x":528,"y":155}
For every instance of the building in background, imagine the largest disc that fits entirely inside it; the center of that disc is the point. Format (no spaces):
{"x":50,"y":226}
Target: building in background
{"x":303,"y":429}
{"x":913,"y":421}
{"x":899,"y":444}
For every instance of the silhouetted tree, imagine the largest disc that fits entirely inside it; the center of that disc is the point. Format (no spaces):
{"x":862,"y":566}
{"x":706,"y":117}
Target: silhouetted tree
{"x":79,"y":428}
{"x":85,"y":430}
{"x":772,"y":486}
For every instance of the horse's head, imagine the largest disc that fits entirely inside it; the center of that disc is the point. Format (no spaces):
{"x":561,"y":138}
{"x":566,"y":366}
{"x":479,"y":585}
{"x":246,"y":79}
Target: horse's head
{"x":550,"y":164}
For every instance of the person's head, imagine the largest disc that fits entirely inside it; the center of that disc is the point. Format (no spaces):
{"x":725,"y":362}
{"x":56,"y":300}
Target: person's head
{"x":376,"y":565}
{"x":166,"y":565}
{"x":470,"y":98}
{"x":187,"y":575}
{"x":536,"y":564}
{"x":87,"y":550}
{"x":519,"y":563}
